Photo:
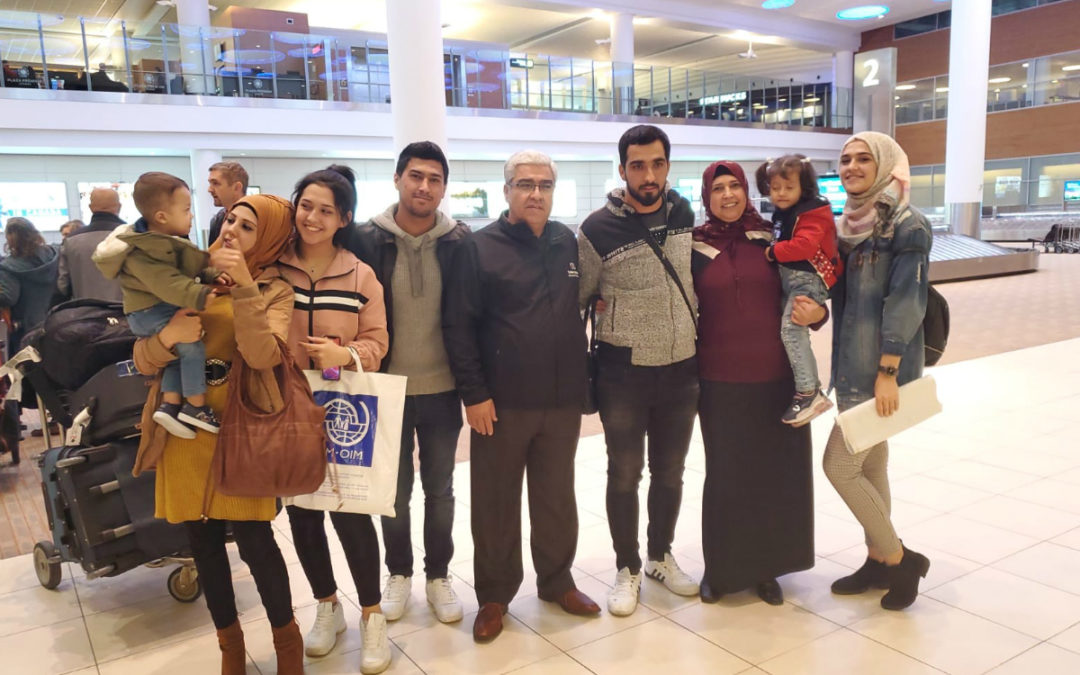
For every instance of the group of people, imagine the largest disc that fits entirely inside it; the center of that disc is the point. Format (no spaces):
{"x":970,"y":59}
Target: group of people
{"x":704,"y":321}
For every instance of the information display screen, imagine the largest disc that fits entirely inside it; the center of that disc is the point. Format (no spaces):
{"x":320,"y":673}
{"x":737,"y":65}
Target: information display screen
{"x":831,"y":189}
{"x":42,"y":203}
{"x":1072,"y":190}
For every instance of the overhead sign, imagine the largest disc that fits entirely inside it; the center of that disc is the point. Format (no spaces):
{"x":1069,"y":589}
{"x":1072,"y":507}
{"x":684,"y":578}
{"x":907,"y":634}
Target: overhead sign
{"x":732,"y":97}
{"x":875,"y":79}
{"x":518,"y":62}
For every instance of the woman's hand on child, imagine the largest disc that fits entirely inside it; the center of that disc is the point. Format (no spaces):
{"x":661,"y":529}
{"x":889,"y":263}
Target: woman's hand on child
{"x":805,"y":312}
{"x":326,"y":353}
{"x":184,"y":326}
{"x":233,"y":266}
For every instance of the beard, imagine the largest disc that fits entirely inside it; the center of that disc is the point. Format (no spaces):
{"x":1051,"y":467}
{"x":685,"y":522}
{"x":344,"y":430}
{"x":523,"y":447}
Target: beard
{"x":644,"y":200}
{"x":422,"y":212}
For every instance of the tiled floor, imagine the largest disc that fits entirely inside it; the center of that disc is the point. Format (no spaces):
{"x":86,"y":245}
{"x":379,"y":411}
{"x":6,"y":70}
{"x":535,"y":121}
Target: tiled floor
{"x":990,"y":490}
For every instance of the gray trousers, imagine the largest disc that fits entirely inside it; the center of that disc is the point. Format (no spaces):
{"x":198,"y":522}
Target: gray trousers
{"x":862,"y":481}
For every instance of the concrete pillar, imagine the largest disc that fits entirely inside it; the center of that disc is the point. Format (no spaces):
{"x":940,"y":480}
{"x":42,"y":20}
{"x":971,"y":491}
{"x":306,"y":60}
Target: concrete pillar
{"x":417,"y":80}
{"x":843,"y":83}
{"x":195,"y":14}
{"x":965,"y":130}
{"x":622,"y":62}
{"x":202,"y":204}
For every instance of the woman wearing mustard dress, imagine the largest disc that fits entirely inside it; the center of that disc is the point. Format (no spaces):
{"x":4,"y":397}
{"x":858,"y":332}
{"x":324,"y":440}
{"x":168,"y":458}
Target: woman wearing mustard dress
{"x":245,"y":322}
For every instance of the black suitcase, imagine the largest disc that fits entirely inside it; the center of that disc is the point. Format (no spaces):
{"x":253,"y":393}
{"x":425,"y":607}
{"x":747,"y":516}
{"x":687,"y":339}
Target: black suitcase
{"x":115,"y":397}
{"x":101,"y":515}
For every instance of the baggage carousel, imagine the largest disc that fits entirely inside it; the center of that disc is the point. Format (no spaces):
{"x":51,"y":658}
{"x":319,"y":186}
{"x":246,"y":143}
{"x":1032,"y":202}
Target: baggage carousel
{"x":955,"y":256}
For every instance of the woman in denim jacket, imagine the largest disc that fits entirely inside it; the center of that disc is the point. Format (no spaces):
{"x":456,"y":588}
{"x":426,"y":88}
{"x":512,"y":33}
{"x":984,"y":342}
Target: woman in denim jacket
{"x":878,"y":308}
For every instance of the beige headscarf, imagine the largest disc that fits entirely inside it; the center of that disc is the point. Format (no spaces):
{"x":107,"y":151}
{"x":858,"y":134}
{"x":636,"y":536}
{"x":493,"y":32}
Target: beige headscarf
{"x":874,"y":211}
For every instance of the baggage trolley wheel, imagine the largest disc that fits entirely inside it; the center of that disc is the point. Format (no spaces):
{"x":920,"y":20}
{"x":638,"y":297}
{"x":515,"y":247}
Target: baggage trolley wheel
{"x":184,"y":584}
{"x":47,"y":564}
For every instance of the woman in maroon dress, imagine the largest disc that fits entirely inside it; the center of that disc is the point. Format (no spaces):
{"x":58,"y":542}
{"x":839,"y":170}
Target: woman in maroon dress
{"x":758,"y":504}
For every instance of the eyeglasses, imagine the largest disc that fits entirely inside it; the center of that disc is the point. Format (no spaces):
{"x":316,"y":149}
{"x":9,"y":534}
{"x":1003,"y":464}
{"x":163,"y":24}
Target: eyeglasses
{"x":527,"y":186}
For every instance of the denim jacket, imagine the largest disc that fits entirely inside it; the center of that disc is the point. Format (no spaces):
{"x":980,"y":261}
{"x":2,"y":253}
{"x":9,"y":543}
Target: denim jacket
{"x":878,"y":308}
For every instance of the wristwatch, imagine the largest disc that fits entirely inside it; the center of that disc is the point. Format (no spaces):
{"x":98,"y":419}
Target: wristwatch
{"x":890,"y":371}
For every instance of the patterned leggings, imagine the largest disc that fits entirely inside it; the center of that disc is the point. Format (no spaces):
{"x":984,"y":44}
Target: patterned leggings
{"x":862,"y":481}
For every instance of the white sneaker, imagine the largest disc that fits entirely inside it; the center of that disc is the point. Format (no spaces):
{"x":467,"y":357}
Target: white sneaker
{"x":667,"y":571}
{"x":444,"y":602}
{"x":376,"y":650}
{"x":329,"y":623}
{"x":622,"y":600}
{"x":395,"y":597}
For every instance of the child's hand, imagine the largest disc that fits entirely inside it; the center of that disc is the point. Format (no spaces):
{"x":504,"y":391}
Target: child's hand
{"x":232,"y":264}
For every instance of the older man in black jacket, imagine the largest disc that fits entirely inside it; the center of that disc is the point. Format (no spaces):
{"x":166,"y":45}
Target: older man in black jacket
{"x":517,"y":350}
{"x":79,"y":277}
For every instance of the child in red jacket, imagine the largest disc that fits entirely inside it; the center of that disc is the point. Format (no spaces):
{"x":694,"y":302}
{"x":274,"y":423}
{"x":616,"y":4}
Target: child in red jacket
{"x":805,"y":248}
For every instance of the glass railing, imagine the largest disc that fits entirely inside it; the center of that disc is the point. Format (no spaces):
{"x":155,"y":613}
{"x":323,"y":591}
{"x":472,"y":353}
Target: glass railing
{"x":1045,"y":80}
{"x":54,"y":52}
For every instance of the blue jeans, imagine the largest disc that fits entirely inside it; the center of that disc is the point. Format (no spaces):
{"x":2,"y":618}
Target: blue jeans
{"x":797,"y":338}
{"x":186,"y":375}
{"x":435,"y":421}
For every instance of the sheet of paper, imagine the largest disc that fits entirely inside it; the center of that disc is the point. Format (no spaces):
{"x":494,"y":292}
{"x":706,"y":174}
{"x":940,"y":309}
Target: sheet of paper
{"x":863,"y":428}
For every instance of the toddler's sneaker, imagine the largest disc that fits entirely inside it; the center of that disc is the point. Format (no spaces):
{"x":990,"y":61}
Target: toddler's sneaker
{"x":805,"y":407}
{"x":202,"y":417}
{"x":166,"y":417}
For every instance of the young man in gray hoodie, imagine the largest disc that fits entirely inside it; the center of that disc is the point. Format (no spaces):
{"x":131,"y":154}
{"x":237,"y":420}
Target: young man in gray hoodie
{"x":410,"y":246}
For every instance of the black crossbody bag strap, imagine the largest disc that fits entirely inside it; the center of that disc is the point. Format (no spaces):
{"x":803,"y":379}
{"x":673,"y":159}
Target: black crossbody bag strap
{"x":651,"y":241}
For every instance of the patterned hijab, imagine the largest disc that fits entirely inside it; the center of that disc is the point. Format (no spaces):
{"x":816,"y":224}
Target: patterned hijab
{"x":274,"y":216}
{"x":715,"y":229}
{"x":874,"y":211}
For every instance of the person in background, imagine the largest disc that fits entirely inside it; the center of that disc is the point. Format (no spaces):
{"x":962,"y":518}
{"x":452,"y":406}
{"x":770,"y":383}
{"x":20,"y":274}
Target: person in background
{"x":71,"y":227}
{"x":79,"y":277}
{"x":517,"y":351}
{"x":410,"y":246}
{"x":228,"y":182}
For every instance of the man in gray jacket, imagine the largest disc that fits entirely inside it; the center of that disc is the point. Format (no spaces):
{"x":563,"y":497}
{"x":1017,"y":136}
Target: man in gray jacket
{"x":79,"y":277}
{"x":635,"y":254}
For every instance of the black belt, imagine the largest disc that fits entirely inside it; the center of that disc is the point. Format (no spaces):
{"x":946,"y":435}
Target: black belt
{"x":217,"y":371}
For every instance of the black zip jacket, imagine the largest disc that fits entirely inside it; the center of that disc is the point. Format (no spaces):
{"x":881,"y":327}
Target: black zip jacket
{"x":376,"y":247}
{"x":511,"y":320}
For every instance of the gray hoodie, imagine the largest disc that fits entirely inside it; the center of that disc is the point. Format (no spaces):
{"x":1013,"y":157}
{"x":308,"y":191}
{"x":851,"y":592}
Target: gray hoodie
{"x":416,"y":287}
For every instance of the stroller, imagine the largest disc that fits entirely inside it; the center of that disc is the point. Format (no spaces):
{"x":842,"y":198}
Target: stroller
{"x":79,"y":366}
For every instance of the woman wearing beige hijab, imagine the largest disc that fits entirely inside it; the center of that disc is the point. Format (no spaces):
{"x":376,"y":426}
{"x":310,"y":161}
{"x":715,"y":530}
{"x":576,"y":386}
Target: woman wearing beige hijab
{"x":878,"y":310}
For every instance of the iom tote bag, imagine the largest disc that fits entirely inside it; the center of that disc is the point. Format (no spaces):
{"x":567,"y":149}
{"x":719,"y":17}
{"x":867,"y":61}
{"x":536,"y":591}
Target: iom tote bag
{"x":363,"y":441}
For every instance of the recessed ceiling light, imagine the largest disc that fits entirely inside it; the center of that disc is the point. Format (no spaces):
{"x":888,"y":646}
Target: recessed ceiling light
{"x":862,"y":12}
{"x":941,"y":90}
{"x":813,"y":99}
{"x":777,"y":4}
{"x":896,"y":98}
{"x":1054,"y":81}
{"x":760,"y":105}
{"x":999,"y":80}
{"x":1070,"y":68}
{"x":904,"y":87}
{"x":1025,"y":65}
{"x":780,"y":100}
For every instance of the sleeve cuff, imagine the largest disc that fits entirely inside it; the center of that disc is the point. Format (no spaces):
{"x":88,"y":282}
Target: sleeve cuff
{"x":245,"y":292}
{"x":474,"y":397}
{"x":893,"y":347}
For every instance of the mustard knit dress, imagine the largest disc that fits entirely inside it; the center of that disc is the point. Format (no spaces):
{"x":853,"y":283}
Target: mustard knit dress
{"x":184,"y":468}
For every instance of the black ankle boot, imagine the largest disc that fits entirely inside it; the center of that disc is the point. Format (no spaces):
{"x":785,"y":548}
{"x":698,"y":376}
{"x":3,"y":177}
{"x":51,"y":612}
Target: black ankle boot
{"x":708,"y":593}
{"x":904,"y":580}
{"x":872,"y":574}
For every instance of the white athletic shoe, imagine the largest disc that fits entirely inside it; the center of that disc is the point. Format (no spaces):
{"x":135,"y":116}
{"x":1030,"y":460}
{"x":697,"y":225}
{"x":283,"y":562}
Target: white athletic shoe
{"x":668,"y":571}
{"x":395,"y":597}
{"x":622,"y":600}
{"x":444,"y":602}
{"x":329,"y":623}
{"x":376,"y":649}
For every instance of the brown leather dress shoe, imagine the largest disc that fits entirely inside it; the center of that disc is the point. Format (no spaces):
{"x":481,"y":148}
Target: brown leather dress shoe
{"x":488,"y":623}
{"x":575,"y":602}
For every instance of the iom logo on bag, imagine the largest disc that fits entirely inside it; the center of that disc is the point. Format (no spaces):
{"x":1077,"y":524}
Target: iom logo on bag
{"x":350,"y":426}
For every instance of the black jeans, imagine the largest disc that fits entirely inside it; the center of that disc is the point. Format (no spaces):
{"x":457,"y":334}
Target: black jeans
{"x":542,"y":442}
{"x":359,"y":541}
{"x":255,"y":539}
{"x":659,"y":402}
{"x":435,"y":421}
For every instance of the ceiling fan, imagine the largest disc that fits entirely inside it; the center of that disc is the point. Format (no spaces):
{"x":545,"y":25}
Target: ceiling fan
{"x":749,"y":53}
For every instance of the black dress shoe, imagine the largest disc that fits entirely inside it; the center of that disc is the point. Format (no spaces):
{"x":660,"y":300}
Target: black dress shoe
{"x":770,"y":592}
{"x":708,"y":593}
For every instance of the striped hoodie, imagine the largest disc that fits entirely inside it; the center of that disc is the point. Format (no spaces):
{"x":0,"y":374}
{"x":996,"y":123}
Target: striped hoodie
{"x":346,"y":301}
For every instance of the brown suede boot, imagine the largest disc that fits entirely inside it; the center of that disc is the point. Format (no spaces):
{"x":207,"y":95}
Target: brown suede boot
{"x":289,"y":646}
{"x":233,"y":655}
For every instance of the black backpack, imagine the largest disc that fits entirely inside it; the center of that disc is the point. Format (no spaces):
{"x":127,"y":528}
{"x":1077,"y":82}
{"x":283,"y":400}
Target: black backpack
{"x":935,"y":326}
{"x":80,"y":337}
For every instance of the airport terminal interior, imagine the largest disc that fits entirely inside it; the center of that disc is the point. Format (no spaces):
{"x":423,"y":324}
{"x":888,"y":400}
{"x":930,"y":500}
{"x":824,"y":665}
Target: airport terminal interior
{"x":983,"y":96}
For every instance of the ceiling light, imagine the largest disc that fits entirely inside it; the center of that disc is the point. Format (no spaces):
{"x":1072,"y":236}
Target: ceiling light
{"x":896,"y":98}
{"x":999,"y":80}
{"x":760,"y":105}
{"x":1070,"y":68}
{"x":1025,"y":65}
{"x":1054,"y":81}
{"x":812,"y":99}
{"x":941,"y":90}
{"x":1024,"y":86}
{"x":642,"y":20}
{"x":780,"y":100}
{"x":862,"y":12}
{"x":777,"y":4}
{"x":904,"y":87}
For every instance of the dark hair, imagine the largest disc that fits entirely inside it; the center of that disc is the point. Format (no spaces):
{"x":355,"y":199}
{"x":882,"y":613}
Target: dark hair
{"x":23,"y":239}
{"x":643,"y":134}
{"x":422,"y":150}
{"x":341,"y":181}
{"x":786,"y":166}
{"x":233,"y":172}
{"x":153,"y":190}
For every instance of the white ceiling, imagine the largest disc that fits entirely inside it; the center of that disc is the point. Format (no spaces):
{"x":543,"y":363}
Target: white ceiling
{"x":696,"y":34}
